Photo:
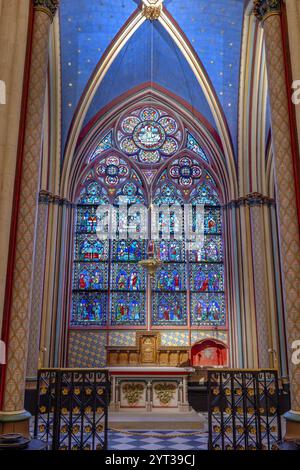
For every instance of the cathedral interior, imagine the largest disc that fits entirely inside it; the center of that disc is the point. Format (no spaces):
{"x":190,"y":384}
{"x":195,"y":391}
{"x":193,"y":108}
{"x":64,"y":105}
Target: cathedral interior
{"x":149,"y":219}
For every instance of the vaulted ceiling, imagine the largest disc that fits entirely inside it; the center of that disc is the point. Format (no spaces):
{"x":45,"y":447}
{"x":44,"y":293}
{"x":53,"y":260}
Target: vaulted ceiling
{"x":212,"y":28}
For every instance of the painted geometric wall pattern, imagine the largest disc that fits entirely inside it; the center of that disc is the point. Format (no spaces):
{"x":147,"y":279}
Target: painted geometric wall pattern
{"x":199,"y":335}
{"x":174,"y":338}
{"x":87,"y":349}
{"x":122,"y":338}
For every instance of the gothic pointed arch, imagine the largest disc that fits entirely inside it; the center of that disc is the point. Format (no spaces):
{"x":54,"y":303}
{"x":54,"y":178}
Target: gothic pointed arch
{"x":133,"y":23}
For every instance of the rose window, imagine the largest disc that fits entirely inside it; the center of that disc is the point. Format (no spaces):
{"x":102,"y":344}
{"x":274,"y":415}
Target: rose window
{"x":112,"y":170}
{"x":149,"y":135}
{"x":186,"y":171}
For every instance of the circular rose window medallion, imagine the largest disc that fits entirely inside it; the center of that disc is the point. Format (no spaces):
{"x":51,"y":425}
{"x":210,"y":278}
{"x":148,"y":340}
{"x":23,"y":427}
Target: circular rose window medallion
{"x":112,"y":170}
{"x":149,"y":135}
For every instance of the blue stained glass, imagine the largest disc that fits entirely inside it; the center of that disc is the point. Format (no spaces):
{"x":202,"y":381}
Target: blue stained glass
{"x":128,"y":308}
{"x":183,"y":180}
{"x":128,"y":277}
{"x":195,"y":147}
{"x":205,"y":194}
{"x":170,"y":250}
{"x":169,"y":309}
{"x":207,"y":278}
{"x":89,"y":248}
{"x":167,"y":194}
{"x":210,"y":251}
{"x":93,"y":194}
{"x":90,"y":276}
{"x":87,"y":220}
{"x":105,"y":144}
{"x":171,"y":278}
{"x":89,"y":309}
{"x":128,"y":250}
{"x":212,"y":221}
{"x":208,"y":309}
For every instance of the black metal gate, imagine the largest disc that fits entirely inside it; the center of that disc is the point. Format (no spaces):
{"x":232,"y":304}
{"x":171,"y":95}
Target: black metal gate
{"x":72,"y":408}
{"x":243,"y":410}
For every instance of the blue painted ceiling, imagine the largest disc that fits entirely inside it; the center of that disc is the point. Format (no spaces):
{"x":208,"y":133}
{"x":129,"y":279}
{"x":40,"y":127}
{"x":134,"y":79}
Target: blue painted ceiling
{"x":165,"y":66}
{"x":213,"y":27}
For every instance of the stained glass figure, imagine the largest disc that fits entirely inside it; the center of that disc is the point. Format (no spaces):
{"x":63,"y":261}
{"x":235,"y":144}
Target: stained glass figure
{"x":149,"y":135}
{"x":210,"y":250}
{"x":170,"y":278}
{"x":170,"y":250}
{"x":207,"y":277}
{"x":89,"y":248}
{"x":90,"y":276}
{"x":208,"y":309}
{"x":212,"y":221}
{"x":89,"y":309}
{"x":128,"y":309}
{"x":169,"y":309}
{"x":87,"y":219}
{"x":128,"y":250}
{"x":128,"y":277}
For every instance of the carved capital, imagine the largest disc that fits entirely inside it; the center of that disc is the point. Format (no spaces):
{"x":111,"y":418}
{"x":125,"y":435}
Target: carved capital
{"x":264,"y":8}
{"x":253,"y":199}
{"x":47,"y":6}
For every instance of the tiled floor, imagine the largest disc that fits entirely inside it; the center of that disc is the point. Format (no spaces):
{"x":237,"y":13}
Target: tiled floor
{"x":143,"y":440}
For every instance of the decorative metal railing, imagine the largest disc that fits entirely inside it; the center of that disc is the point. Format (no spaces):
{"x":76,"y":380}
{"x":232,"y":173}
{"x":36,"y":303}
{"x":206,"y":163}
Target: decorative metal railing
{"x":72,"y":408}
{"x":243,"y":410}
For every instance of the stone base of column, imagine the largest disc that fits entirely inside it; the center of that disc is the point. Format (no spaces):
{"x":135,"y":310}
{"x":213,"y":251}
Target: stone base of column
{"x":15,"y":422}
{"x":292,"y":427}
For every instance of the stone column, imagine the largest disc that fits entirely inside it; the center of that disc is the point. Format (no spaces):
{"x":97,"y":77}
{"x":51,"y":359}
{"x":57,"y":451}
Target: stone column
{"x":269,"y":11}
{"x":34,"y":352}
{"x":13,"y":416}
{"x":293,"y":23}
{"x":256,"y":201}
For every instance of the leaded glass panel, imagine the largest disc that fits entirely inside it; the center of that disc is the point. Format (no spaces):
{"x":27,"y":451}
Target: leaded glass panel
{"x":169,"y":309}
{"x":90,"y":248}
{"x":128,"y":308}
{"x":90,"y":276}
{"x":128,"y":277}
{"x":208,"y":309}
{"x":89,"y":309}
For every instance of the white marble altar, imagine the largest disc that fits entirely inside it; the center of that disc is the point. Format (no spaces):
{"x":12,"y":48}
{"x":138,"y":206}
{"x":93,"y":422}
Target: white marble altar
{"x":149,"y":389}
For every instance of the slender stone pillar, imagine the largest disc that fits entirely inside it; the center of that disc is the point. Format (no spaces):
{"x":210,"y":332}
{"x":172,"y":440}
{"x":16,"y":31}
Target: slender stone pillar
{"x":38,"y":283}
{"x":268,"y":11}
{"x":13,"y":415}
{"x":255,"y":202}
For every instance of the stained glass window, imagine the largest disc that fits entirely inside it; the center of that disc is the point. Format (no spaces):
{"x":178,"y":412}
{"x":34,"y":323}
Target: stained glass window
{"x":206,"y":262}
{"x":110,"y":288}
{"x":149,"y":135}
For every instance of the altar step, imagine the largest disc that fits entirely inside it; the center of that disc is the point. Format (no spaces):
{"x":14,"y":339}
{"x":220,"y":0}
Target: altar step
{"x":171,"y":420}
